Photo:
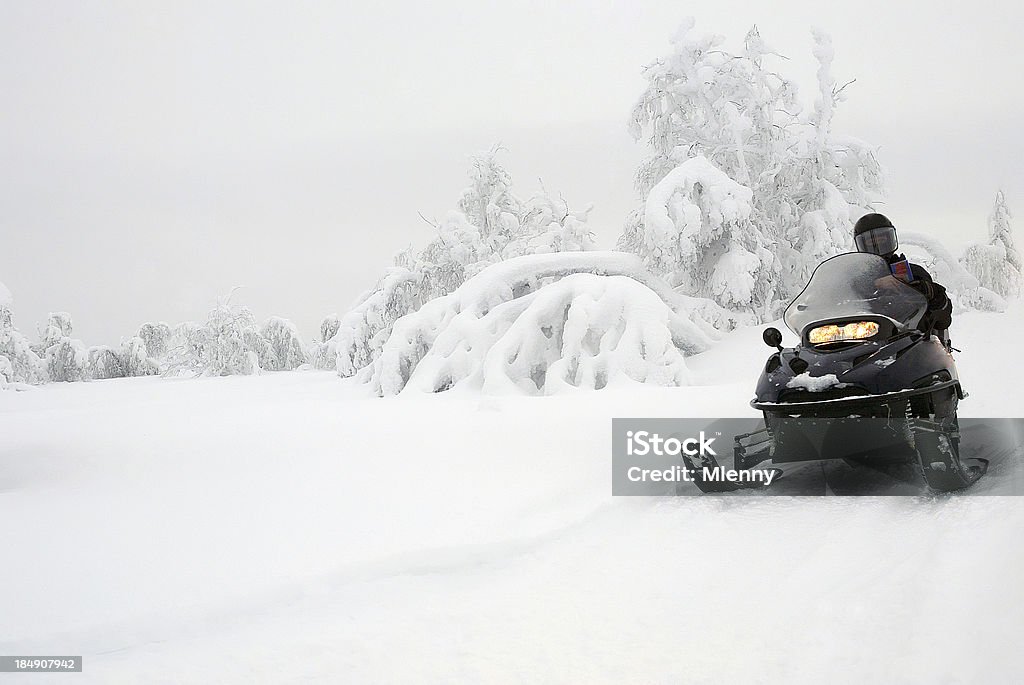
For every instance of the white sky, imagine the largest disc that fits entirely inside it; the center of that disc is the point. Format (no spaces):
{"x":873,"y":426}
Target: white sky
{"x":155,"y":155}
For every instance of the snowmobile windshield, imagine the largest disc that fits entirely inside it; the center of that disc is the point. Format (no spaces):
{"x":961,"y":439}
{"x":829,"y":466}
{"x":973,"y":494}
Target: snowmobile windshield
{"x":852,"y":286}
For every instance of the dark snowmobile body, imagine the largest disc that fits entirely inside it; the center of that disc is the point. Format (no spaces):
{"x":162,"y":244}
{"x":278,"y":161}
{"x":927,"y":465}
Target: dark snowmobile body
{"x":879,"y":392}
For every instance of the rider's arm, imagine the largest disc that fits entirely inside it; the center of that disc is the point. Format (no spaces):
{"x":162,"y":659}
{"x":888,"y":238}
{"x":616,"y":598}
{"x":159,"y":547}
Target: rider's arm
{"x":939,"y":306}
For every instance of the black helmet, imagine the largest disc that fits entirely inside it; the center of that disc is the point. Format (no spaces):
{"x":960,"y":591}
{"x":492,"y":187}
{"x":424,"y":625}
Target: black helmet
{"x":875,"y":233}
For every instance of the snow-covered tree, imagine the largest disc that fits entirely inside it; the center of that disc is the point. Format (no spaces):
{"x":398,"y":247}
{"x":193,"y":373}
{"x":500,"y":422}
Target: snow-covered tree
{"x":19,"y":362}
{"x":135,"y":358}
{"x":66,"y":361}
{"x":63,"y":358}
{"x":185,"y":344}
{"x":323,"y":352}
{"x":286,"y":348}
{"x":697,"y":231}
{"x":997,"y":264}
{"x":58,"y":326}
{"x":1000,"y":230}
{"x":104,"y":362}
{"x":363,"y":330}
{"x":129,"y":359}
{"x":228,"y":343}
{"x":6,"y":372}
{"x":156,"y":336}
{"x":744,"y":120}
{"x":490,"y":224}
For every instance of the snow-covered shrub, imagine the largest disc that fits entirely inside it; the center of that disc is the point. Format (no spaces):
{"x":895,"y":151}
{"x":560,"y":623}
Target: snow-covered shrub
{"x":58,"y":326}
{"x":23,"y":364}
{"x":186,"y":343}
{"x":66,"y":361}
{"x":746,"y":124}
{"x":490,"y":223}
{"x":6,"y":372}
{"x":997,"y":264}
{"x":157,"y":337}
{"x":63,"y":359}
{"x":286,"y":351}
{"x":363,"y":330}
{"x":130,"y":359}
{"x":988,"y":263}
{"x":135,"y":359}
{"x":103,"y":362}
{"x":229,"y":343}
{"x":323,"y":352}
{"x":541,"y":323}
{"x":963,"y":288}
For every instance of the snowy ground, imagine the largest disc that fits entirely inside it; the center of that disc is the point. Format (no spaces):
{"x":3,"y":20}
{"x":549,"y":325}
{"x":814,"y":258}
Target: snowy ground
{"x":289,"y":527}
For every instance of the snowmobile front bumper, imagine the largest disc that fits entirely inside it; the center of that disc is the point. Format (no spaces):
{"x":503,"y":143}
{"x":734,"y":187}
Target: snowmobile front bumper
{"x":852,"y":403}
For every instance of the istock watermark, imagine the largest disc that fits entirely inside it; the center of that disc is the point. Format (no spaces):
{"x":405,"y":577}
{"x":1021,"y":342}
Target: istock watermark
{"x":647,"y":443}
{"x":813,"y":456}
{"x":647,"y":454}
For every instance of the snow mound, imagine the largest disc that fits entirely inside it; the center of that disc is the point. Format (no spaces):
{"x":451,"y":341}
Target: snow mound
{"x":542,"y":324}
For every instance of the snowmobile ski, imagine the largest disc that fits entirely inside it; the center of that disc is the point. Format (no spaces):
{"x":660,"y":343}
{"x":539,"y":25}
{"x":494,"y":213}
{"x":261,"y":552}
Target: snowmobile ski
{"x":938,"y":453}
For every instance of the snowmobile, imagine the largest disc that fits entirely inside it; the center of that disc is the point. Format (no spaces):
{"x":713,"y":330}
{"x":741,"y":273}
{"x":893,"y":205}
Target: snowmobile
{"x":865,"y":384}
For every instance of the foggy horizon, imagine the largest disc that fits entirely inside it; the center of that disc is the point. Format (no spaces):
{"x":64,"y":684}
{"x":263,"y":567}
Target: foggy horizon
{"x":157,"y":157}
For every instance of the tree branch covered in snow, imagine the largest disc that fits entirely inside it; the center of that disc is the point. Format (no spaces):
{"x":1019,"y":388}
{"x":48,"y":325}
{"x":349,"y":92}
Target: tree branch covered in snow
{"x":544,"y":323}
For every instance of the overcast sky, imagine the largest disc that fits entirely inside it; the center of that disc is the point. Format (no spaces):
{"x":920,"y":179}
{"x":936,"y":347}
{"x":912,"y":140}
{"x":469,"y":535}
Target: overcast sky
{"x":156,"y":155}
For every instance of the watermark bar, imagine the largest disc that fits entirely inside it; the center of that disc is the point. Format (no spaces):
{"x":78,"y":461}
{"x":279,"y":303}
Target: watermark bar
{"x":802,"y":455}
{"x":40,"y":664}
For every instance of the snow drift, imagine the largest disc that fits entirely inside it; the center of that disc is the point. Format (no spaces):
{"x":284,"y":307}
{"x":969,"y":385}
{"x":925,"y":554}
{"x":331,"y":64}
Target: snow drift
{"x":540,"y":324}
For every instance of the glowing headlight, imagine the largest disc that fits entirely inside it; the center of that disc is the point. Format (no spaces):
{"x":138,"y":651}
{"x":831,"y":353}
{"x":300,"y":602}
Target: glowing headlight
{"x":857,"y":330}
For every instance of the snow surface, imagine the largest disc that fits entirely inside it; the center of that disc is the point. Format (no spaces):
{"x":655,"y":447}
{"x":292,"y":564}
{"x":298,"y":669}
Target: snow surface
{"x":290,"y":527}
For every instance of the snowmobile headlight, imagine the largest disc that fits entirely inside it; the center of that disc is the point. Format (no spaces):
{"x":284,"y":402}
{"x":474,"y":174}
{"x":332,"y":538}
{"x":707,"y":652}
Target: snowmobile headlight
{"x":857,"y":330}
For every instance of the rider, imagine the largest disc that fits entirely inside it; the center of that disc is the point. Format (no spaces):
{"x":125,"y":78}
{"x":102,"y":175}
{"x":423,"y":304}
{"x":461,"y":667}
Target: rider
{"x":875,"y":233}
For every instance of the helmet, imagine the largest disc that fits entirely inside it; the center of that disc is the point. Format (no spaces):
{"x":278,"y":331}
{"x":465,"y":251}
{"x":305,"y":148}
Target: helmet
{"x":875,"y":233}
